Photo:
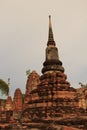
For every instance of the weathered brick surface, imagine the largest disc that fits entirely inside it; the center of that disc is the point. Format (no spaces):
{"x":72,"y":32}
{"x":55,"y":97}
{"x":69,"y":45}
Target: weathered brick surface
{"x":9,"y":104}
{"x":17,"y":101}
{"x":32,"y":83}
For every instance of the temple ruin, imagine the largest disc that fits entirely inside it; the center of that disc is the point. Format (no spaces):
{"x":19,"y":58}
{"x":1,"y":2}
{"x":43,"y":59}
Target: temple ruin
{"x":52,"y":97}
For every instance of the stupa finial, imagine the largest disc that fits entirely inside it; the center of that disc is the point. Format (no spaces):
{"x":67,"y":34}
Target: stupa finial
{"x":50,"y":35}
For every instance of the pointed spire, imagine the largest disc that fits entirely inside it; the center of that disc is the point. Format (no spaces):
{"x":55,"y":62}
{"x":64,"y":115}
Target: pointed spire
{"x":50,"y":30}
{"x":50,"y":35}
{"x":9,"y":86}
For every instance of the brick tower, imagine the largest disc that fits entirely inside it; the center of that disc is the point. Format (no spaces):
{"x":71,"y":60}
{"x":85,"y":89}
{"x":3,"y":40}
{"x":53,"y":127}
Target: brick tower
{"x":53,"y":97}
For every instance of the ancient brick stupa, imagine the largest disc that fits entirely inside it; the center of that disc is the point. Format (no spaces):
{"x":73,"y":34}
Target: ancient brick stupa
{"x":53,"y":96}
{"x":17,"y":104}
{"x":32,"y":82}
{"x":17,"y":101}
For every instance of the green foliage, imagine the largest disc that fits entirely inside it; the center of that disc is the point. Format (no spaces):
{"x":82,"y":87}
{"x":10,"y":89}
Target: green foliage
{"x":4,"y":89}
{"x":23,"y":95}
{"x":83,"y":85}
{"x":28,"y":72}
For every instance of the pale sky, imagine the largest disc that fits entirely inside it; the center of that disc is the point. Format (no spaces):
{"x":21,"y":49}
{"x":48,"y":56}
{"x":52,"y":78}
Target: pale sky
{"x":24,"y":35}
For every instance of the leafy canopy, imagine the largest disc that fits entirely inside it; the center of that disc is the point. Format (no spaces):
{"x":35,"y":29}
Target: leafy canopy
{"x":4,"y":89}
{"x":83,"y":85}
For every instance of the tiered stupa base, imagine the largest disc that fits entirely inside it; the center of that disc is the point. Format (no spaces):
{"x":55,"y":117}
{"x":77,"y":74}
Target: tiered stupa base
{"x":53,"y":97}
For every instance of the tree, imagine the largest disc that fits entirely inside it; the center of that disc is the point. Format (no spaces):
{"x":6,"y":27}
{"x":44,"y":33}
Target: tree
{"x":23,"y":95}
{"x":4,"y":88}
{"x":83,"y":85}
{"x":28,"y":72}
